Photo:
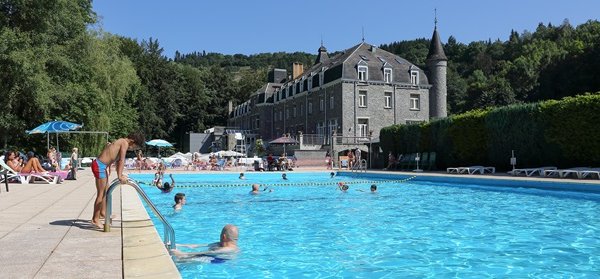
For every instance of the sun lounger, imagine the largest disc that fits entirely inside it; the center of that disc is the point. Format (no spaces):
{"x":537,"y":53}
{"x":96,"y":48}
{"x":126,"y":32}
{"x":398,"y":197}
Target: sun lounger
{"x":453,"y":170}
{"x":563,"y":173}
{"x":531,"y":171}
{"x":26,"y":178}
{"x":472,"y":170}
{"x":590,"y":173}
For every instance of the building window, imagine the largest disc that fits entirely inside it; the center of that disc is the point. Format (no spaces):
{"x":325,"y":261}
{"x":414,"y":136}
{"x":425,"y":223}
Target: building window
{"x":388,"y":99}
{"x":331,"y":105}
{"x":415,"y":102}
{"x":309,"y":107}
{"x":321,"y":78}
{"x":294,"y":112}
{"x":362,"y":99}
{"x":363,"y":127}
{"x":332,"y":126}
{"x":414,"y":77}
{"x":301,"y":85}
{"x":321,"y":128}
{"x":257,"y":122}
{"x":301,"y":110}
{"x":309,"y":83}
{"x":321,"y":105}
{"x":363,"y":73}
{"x":287,"y":114}
{"x":387,"y":75}
{"x":281,"y":115}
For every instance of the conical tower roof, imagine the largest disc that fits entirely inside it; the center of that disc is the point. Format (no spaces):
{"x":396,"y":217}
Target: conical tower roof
{"x":436,"y":52}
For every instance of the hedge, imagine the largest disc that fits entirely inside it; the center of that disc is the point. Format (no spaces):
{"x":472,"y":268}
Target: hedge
{"x":562,"y":133}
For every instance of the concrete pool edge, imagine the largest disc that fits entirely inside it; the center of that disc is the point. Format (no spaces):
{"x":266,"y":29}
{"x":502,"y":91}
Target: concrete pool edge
{"x":495,"y":180}
{"x":144,"y":254}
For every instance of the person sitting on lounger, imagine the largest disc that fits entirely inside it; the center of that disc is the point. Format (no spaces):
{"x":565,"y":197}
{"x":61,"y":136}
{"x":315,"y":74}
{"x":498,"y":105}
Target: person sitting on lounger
{"x":392,"y":162}
{"x":32,"y":165}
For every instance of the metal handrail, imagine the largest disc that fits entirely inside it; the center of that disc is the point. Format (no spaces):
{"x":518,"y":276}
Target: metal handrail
{"x":169,"y":233}
{"x":361,"y":166}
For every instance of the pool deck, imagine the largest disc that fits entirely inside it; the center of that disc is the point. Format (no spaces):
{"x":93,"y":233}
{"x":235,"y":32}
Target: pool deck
{"x":45,"y":231}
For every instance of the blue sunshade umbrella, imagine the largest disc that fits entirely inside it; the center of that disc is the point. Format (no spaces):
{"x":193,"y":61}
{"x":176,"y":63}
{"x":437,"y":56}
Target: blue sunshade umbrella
{"x":54,"y":127}
{"x":159,"y":143}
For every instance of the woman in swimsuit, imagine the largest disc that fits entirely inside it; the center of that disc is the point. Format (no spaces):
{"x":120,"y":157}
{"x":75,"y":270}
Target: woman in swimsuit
{"x":32,"y":165}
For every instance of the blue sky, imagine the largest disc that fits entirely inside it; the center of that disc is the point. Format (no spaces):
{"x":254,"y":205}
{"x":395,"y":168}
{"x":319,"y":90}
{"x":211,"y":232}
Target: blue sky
{"x":258,"y":26}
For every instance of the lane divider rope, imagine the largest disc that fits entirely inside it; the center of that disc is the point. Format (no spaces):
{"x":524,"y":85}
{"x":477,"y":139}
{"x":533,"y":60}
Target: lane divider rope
{"x":179,"y":185}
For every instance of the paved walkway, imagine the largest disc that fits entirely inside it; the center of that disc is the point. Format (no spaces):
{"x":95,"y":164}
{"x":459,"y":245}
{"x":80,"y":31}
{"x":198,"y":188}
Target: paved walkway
{"x":45,"y":232}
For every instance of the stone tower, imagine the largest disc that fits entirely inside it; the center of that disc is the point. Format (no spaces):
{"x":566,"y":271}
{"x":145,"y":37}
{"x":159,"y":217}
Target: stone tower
{"x":437,"y":63}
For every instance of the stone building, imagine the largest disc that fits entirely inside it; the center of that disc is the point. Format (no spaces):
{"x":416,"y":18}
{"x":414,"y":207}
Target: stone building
{"x":354,"y":93}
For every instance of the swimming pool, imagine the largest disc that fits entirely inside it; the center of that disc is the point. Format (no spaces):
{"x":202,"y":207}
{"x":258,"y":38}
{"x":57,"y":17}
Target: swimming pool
{"x":416,"y":228}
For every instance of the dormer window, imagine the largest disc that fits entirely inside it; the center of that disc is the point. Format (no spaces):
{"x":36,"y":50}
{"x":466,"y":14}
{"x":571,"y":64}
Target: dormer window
{"x":309,"y":83}
{"x":363,"y":73}
{"x":302,"y":85}
{"x":387,"y":75}
{"x":414,"y":77}
{"x":321,"y":78}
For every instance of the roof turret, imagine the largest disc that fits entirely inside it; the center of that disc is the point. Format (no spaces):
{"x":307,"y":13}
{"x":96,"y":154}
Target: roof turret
{"x":436,"y":51}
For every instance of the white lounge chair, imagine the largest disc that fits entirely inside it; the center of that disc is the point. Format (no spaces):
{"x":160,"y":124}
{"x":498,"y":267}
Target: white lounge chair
{"x":26,"y":178}
{"x":590,"y":173}
{"x":453,"y":170}
{"x":531,"y":171}
{"x":472,"y":170}
{"x":563,"y":173}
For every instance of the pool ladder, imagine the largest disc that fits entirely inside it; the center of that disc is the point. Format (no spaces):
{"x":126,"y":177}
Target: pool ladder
{"x":361,"y":167}
{"x":169,"y":233}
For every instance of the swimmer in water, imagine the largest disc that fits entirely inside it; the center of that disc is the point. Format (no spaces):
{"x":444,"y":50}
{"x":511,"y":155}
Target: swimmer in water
{"x":217,"y":252}
{"x":343,"y":187}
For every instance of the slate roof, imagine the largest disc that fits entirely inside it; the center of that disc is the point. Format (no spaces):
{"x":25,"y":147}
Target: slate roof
{"x":436,"y":51}
{"x":352,"y":56}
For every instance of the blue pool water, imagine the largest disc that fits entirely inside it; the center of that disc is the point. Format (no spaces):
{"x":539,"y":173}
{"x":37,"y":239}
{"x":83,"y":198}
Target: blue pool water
{"x":407,"y":229}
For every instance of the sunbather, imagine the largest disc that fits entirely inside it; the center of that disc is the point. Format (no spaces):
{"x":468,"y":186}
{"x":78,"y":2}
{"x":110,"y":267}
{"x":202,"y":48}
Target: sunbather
{"x":32,"y":165}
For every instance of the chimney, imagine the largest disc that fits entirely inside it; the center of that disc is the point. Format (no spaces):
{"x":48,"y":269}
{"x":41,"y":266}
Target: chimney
{"x":297,"y":70}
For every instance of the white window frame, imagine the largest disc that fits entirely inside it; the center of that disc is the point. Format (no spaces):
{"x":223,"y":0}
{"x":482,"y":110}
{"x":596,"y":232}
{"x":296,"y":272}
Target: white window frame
{"x":387,"y":100}
{"x":387,"y":75}
{"x":321,"y":105}
{"x":362,"y":99}
{"x":321,"y":79}
{"x":310,"y":107}
{"x":302,"y":85}
{"x":363,"y":73}
{"x":287,"y":113}
{"x":414,"y":77}
{"x":331,"y":102}
{"x":415,"y":102}
{"x":309,"y":82}
{"x":362,"y":129}
{"x":281,"y":115}
{"x":294,"y":112}
{"x":321,"y":128}
{"x":332,"y":127}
